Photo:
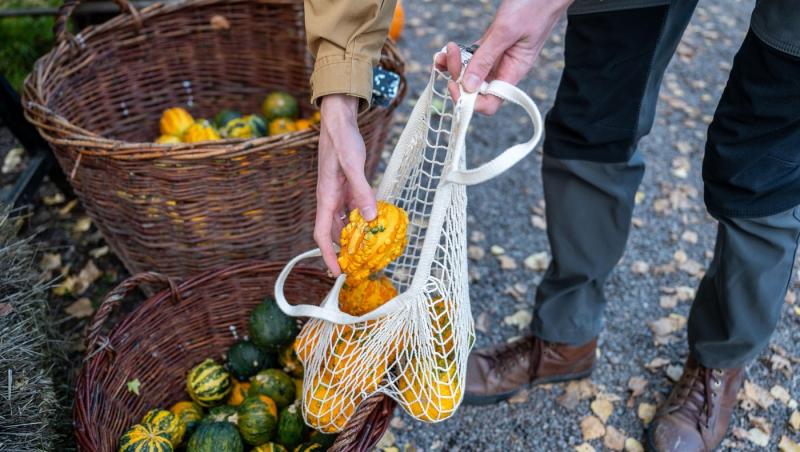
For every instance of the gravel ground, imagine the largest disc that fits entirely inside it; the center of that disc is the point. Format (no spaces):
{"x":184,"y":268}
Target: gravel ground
{"x":692,"y":86}
{"x":670,"y":223}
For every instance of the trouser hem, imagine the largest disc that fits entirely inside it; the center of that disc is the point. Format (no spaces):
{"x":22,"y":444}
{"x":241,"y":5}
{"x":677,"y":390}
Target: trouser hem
{"x":568,"y":337}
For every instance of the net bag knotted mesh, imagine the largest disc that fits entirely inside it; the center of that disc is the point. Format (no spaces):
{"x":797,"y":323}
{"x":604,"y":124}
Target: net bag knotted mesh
{"x":414,"y":347}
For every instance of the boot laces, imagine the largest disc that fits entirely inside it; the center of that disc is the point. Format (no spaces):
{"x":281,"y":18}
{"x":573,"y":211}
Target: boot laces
{"x":697,"y":395}
{"x":513,"y":353}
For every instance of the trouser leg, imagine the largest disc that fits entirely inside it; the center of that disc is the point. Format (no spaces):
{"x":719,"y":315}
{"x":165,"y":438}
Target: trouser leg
{"x":740,"y":297}
{"x":614,"y":63}
{"x":752,"y":186}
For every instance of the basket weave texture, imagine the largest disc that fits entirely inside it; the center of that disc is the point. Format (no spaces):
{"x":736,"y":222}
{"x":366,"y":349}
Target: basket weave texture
{"x":185,"y":208}
{"x":174,"y":330}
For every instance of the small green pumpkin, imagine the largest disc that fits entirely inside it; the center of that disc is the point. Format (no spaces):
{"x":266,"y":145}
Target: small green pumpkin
{"x":237,"y":128}
{"x":223,"y":413}
{"x":257,"y":124}
{"x":291,"y":425}
{"x":270,"y":328}
{"x":208,"y":383}
{"x":309,"y":447}
{"x":258,"y":418}
{"x":226,"y":116}
{"x":325,"y":440}
{"x":215,"y":437}
{"x":269,"y":447}
{"x":275,"y":384}
{"x":189,"y":414}
{"x":143,"y":438}
{"x":166,"y":424}
{"x":245,"y":359}
{"x":290,"y":363}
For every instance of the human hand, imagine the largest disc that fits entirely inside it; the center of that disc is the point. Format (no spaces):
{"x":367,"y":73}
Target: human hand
{"x":508,"y":48}
{"x":341,"y":182}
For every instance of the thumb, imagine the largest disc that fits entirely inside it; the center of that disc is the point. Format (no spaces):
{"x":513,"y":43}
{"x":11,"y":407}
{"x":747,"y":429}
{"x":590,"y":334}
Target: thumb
{"x":481,"y":64}
{"x":362,"y":196}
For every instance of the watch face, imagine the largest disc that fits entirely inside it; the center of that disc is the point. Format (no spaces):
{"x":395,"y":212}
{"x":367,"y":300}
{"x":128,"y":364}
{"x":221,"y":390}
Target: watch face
{"x":384,"y":86}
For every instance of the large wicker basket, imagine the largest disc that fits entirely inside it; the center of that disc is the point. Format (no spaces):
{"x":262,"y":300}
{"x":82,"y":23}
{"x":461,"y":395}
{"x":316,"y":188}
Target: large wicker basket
{"x":176,"y":329}
{"x":181,"y":209}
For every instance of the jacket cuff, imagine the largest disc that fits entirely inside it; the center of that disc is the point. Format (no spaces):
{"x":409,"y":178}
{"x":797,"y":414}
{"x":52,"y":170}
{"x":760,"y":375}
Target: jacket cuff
{"x":342,"y":75}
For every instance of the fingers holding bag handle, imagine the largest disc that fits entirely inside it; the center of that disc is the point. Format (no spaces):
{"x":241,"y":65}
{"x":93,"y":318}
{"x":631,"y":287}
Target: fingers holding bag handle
{"x":512,"y":155}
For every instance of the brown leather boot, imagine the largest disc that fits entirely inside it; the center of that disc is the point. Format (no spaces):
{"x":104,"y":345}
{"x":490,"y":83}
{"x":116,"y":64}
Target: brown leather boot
{"x":697,"y":413}
{"x":496,"y":373}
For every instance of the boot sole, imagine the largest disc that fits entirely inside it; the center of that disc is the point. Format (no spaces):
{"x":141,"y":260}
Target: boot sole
{"x":472,"y":399}
{"x":651,"y":442}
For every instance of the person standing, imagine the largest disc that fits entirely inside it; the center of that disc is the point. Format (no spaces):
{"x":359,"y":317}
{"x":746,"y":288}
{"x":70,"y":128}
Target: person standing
{"x":616,"y":52}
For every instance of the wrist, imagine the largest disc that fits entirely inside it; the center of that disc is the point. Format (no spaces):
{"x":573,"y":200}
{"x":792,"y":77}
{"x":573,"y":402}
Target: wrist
{"x":339,"y":109}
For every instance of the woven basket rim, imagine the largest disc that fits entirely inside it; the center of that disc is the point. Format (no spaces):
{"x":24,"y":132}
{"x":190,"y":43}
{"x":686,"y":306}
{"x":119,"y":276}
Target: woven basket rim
{"x":95,"y":144}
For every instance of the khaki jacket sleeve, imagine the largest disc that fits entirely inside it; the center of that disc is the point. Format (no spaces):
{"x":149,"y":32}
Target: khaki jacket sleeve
{"x":346,"y":37}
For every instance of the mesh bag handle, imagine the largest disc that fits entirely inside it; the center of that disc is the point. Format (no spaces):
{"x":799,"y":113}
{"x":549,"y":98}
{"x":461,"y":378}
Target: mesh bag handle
{"x":329,"y":308}
{"x":512,"y":155}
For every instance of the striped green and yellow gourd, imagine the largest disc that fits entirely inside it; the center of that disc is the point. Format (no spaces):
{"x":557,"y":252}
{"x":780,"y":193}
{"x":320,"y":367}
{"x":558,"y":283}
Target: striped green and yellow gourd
{"x":142,"y":438}
{"x":208,"y":383}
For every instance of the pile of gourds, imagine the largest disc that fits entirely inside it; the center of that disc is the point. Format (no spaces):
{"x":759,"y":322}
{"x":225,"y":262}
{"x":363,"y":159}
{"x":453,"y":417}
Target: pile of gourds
{"x":280,"y":114}
{"x":254,"y":399}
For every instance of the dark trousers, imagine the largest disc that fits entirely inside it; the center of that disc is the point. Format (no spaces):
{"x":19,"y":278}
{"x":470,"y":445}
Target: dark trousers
{"x":614,"y":63}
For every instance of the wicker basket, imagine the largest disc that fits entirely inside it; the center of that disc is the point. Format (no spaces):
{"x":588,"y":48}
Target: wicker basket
{"x":181,"y":209}
{"x":176,"y":329}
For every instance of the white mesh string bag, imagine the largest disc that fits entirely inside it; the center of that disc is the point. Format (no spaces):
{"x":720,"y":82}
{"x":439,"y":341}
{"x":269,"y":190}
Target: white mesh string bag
{"x":414,"y":347}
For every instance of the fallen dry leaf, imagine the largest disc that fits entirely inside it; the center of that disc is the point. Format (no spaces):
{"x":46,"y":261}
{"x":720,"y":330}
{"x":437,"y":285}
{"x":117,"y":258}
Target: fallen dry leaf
{"x":753,"y":435}
{"x":633,"y":445}
{"x":99,"y":252}
{"x":64,"y":211}
{"x":780,"y":393}
{"x":537,"y":262}
{"x":521,"y":319}
{"x":575,"y":391}
{"x":507,"y":262}
{"x":646,"y":411}
{"x":55,"y":198}
{"x":668,"y":301}
{"x":656,"y":363}
{"x":397,"y":423}
{"x":475,"y":252}
{"x":497,"y":250}
{"x":592,"y":428}
{"x":787,"y":445}
{"x":86,"y":277}
{"x":83,"y":224}
{"x":640,"y":267}
{"x":667,"y":325}
{"x":794,"y":421}
{"x":761,"y":423}
{"x":538,"y":222}
{"x":80,"y":309}
{"x":614,"y":439}
{"x":689,"y":237}
{"x":756,"y":394}
{"x":50,"y":262}
{"x":477,"y":236}
{"x":585,"y":447}
{"x":602,"y":408}
{"x":674,"y":372}
{"x":637,"y":385}
{"x":12,"y":161}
